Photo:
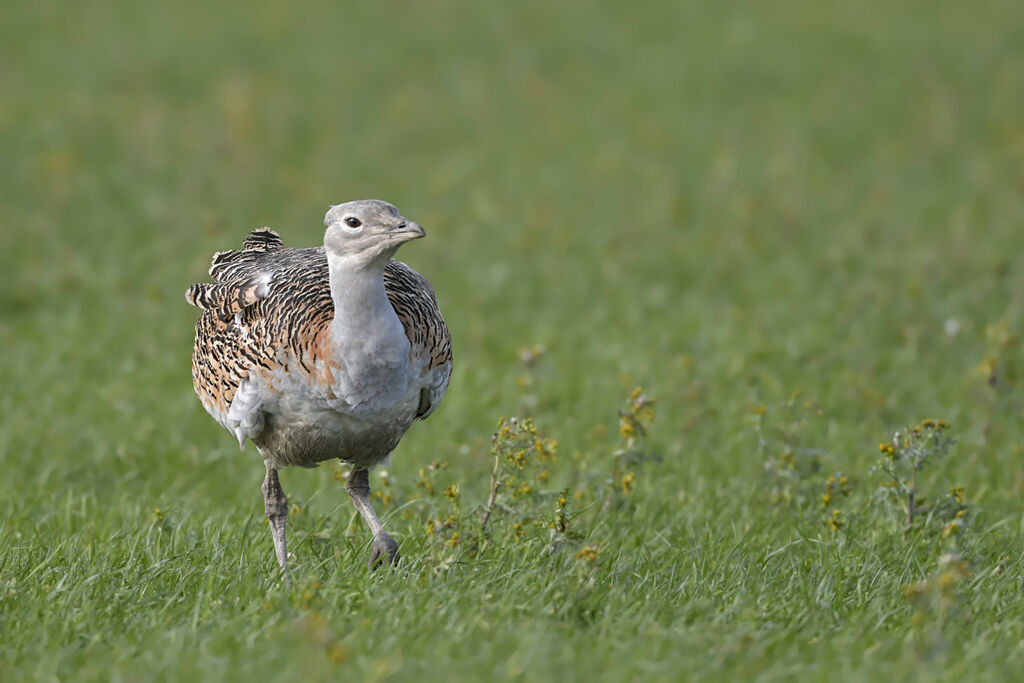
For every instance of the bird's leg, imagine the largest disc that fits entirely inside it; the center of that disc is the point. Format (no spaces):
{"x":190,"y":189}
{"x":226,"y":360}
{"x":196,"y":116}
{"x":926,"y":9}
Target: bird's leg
{"x":384,"y":548}
{"x":276,"y":505}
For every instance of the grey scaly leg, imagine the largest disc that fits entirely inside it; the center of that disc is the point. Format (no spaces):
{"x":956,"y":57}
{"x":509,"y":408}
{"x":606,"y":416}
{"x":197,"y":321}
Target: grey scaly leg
{"x":276,"y":505}
{"x":384,"y":549}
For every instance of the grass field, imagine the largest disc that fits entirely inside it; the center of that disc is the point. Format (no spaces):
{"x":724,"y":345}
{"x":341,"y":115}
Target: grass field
{"x":797,"y":226}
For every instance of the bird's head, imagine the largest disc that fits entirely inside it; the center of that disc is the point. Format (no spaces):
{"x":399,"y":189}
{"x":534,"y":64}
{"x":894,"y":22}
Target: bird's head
{"x":367,"y":231}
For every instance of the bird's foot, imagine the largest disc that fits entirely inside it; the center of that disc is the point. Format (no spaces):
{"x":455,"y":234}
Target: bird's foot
{"x":384,"y":551}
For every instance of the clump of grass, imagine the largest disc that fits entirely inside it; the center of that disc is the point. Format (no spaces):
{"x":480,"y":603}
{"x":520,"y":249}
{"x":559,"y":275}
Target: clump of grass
{"x":522,"y":505}
{"x":904,"y":455}
{"x":443,"y":525}
{"x":632,"y":449}
{"x":518,"y":493}
{"x":520,"y":460}
{"x":836,"y":486}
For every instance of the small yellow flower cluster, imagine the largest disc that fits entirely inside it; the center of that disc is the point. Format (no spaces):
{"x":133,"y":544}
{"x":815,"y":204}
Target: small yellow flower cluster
{"x":640,"y":410}
{"x":834,"y":521}
{"x":158,"y":514}
{"x":830,"y":486}
{"x":546,"y":447}
{"x":425,"y":483}
{"x":958,"y":494}
{"x":427,"y":474}
{"x":518,"y":459}
{"x":589,"y":553}
{"x":561,"y":519}
{"x":526,"y":425}
{"x":451,"y":492}
{"x":641,"y":404}
{"x":529,"y":356}
{"x":927,"y":427}
{"x":437,"y":525}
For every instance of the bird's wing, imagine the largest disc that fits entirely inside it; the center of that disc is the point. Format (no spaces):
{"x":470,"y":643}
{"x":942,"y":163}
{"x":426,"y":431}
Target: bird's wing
{"x":414,"y":302}
{"x":266,"y":311}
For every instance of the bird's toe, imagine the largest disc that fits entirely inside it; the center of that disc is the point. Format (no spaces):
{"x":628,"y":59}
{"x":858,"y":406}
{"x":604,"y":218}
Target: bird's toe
{"x":384,"y":551}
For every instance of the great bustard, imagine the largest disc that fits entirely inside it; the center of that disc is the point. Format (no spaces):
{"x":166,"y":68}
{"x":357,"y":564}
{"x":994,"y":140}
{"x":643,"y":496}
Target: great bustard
{"x":320,"y":353}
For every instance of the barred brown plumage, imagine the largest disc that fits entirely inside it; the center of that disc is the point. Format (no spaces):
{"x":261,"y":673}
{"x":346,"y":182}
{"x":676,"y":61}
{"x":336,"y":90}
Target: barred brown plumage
{"x":322,"y":352}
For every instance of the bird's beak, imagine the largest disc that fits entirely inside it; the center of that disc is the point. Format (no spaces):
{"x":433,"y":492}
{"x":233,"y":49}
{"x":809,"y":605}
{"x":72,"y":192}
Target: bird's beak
{"x":408,"y":230}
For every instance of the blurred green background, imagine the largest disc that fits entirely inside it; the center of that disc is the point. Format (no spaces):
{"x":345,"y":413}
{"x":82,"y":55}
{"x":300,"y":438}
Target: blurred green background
{"x":725,"y":202}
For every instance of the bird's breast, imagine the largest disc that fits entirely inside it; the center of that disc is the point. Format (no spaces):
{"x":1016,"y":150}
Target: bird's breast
{"x":305,"y":435}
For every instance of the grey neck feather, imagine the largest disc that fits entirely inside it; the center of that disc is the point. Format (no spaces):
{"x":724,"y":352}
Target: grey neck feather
{"x":365,"y":324}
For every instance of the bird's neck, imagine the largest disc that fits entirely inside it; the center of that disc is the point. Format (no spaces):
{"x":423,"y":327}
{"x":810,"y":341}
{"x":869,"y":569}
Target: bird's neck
{"x":365,"y":323}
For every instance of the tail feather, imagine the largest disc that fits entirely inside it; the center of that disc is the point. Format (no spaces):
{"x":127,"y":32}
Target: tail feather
{"x":226,"y":265}
{"x":263,"y":239}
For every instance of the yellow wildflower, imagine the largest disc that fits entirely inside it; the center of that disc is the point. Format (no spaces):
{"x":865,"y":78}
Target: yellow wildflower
{"x":834,"y":521}
{"x":588,"y":553}
{"x":451,"y":492}
{"x":958,"y":494}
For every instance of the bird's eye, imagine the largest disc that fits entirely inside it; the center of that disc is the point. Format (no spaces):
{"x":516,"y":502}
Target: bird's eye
{"x":353,"y":222}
